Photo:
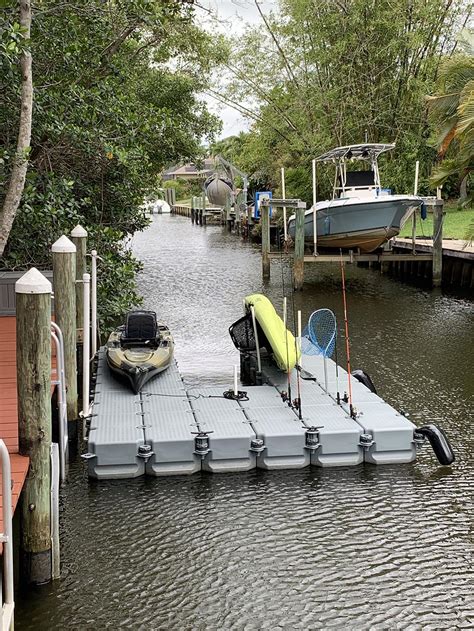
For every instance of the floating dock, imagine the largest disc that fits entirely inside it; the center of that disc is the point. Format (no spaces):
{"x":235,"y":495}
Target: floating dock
{"x":168,"y":429}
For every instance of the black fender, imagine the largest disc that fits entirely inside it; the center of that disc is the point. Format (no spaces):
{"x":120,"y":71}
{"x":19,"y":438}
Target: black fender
{"x":364,"y":378}
{"x":439,"y":443}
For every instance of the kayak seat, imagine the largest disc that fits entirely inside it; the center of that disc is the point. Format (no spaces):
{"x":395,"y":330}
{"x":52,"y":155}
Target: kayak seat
{"x":140,"y":329}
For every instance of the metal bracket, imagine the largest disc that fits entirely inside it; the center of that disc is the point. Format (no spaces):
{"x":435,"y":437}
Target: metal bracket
{"x":418,"y":439}
{"x":312,"y":438}
{"x":201,"y":444}
{"x":145,"y":452}
{"x":366,"y":441}
{"x":88,"y":456}
{"x":257,"y":445}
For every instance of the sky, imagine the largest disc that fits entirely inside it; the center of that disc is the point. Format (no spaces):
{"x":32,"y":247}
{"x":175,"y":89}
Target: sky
{"x":232,"y":18}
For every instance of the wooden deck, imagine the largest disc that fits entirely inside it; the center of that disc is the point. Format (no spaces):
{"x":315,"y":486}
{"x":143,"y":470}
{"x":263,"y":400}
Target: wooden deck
{"x":9,"y":408}
{"x":456,"y":248}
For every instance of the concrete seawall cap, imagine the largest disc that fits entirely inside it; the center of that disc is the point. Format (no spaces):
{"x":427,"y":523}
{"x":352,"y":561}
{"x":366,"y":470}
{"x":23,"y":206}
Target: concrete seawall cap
{"x":78,"y":231}
{"x":33,"y":282}
{"x":63,"y":244}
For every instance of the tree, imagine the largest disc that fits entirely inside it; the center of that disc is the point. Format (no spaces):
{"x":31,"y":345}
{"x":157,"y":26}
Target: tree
{"x":320,"y":74}
{"x":20,"y":161}
{"x":452,"y":115}
{"x":116,"y":88}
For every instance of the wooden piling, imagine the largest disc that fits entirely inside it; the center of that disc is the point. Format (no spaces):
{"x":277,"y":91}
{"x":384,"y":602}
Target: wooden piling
{"x":203,"y":213}
{"x":64,"y":282}
{"x":298,"y":262}
{"x":437,"y":242}
{"x":79,"y":238}
{"x":265,"y":219}
{"x":33,"y":342}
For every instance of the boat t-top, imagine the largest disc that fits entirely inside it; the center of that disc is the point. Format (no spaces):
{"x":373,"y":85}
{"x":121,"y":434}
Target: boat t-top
{"x":361,"y":214}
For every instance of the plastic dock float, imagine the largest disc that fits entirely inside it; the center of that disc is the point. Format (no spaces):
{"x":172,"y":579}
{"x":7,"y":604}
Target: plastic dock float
{"x":229,"y":432}
{"x":168,"y":429}
{"x":385,"y":435}
{"x":170,"y":426}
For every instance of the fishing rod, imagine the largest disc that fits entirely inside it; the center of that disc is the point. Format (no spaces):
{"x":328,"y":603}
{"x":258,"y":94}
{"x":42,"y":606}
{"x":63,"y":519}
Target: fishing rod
{"x":297,"y":402}
{"x":285,"y":320}
{"x":346,"y":324}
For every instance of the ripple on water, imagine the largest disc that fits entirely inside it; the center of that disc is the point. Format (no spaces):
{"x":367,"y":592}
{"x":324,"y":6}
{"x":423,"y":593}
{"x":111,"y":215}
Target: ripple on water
{"x":358,"y":548}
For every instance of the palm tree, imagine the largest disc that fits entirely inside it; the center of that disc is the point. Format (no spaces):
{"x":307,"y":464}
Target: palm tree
{"x":451,"y":112}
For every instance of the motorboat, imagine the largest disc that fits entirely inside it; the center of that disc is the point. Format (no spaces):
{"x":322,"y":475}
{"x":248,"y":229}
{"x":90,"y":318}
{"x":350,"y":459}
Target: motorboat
{"x":160,"y":207}
{"x":140,"y":349}
{"x":219,"y":190}
{"x":361,"y":214}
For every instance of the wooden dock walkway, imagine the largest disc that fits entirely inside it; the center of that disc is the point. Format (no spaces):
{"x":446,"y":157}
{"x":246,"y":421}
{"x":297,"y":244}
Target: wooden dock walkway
{"x":9,"y":408}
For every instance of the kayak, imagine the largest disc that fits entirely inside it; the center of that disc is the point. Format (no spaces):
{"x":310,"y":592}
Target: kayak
{"x":281,"y":341}
{"x":140,"y":349}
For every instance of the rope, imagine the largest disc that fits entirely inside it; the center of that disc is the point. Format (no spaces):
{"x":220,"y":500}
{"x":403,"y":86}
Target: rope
{"x":228,"y":394}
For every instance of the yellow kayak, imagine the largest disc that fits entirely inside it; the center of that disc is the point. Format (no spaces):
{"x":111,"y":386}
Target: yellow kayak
{"x":283,"y":346}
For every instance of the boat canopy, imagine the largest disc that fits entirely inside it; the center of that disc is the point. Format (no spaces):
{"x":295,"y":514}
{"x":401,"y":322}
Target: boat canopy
{"x":365,"y":151}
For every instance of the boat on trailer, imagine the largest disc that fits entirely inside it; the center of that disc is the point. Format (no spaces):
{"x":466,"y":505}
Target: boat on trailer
{"x":140,"y":349}
{"x":361,"y":214}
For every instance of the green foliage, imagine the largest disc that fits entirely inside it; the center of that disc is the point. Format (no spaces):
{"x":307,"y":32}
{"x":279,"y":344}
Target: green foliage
{"x":185,"y":188}
{"x":323,"y":74}
{"x":452,"y":116}
{"x":115,"y":101}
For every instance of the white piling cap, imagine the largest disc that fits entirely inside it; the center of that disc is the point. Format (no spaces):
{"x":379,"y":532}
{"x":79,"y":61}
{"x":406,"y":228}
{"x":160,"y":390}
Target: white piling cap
{"x":79,"y":231}
{"x":63,"y":244}
{"x":33,"y":282}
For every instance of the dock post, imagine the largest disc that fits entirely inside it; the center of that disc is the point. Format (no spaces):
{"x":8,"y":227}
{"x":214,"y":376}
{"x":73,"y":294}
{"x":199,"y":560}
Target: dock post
{"x":33,"y":343}
{"x":265,"y":218}
{"x":64,"y":283}
{"x":193,"y":210}
{"x":437,"y":242}
{"x":228,"y":219}
{"x":79,"y":238}
{"x":203,"y":216}
{"x":298,"y":263}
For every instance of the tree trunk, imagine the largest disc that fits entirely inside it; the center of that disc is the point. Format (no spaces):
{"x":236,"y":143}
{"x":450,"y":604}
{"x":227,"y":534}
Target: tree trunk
{"x":20,"y":165}
{"x":463,"y":188}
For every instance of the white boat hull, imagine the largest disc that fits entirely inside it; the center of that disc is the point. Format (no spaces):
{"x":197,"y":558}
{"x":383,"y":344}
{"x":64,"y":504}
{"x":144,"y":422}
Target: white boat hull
{"x":354,"y":222}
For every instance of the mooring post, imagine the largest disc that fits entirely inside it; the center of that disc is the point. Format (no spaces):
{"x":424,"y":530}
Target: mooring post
{"x":64,"y":283}
{"x":33,"y":344}
{"x":438,"y":242}
{"x":79,"y":238}
{"x":193,"y":210}
{"x":298,"y":262}
{"x":265,"y":219}
{"x":204,"y":218}
{"x":228,"y":218}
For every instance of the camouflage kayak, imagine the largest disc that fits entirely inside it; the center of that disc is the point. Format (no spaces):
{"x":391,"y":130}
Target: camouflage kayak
{"x":140,"y":349}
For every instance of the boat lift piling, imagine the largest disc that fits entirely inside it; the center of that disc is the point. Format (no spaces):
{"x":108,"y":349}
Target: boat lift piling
{"x":298,"y":265}
{"x":315,"y":232}
{"x":415,"y":192}
{"x":283,"y":194}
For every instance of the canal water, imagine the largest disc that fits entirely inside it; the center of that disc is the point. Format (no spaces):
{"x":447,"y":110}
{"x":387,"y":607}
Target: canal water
{"x":387,"y":547}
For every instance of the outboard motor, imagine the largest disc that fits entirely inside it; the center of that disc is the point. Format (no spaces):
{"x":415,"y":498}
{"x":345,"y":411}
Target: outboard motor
{"x":364,"y":378}
{"x":439,"y":442}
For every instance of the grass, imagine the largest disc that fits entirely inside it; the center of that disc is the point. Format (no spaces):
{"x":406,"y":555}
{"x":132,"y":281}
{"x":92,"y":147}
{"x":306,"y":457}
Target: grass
{"x":186,"y":201}
{"x":456,"y":223}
